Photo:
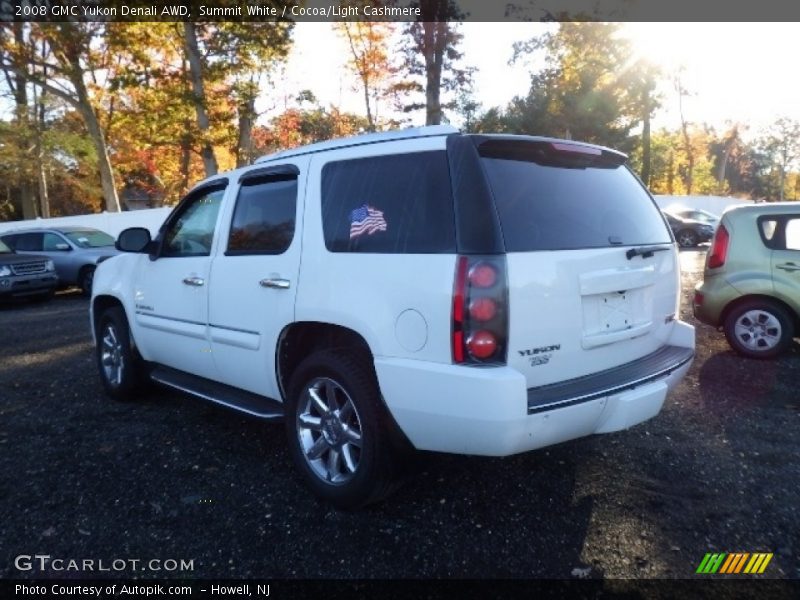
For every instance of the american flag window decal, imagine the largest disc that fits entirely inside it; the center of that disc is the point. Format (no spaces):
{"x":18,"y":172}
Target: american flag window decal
{"x":366,"y":220}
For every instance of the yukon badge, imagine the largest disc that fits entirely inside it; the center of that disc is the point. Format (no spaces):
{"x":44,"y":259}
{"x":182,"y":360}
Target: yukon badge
{"x":541,"y":355}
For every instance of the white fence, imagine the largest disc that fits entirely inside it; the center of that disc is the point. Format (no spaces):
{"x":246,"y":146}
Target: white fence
{"x":111,"y":223}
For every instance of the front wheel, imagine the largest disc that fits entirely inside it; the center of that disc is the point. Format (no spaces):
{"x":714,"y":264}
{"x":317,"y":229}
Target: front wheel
{"x":118,"y":362}
{"x":85,"y":280}
{"x":759,"y":329}
{"x":338,"y":432}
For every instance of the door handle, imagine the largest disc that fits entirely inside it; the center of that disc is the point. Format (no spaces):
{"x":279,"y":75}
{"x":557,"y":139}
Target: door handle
{"x":278,"y":284}
{"x":195,"y":281}
{"x":788,"y":267}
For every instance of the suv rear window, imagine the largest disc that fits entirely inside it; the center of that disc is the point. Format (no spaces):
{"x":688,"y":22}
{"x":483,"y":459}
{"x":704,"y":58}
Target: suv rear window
{"x":395,"y":204}
{"x":556,"y":197}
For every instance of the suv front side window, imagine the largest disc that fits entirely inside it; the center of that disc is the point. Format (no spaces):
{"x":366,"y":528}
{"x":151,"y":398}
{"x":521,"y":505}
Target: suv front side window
{"x":191,"y":232}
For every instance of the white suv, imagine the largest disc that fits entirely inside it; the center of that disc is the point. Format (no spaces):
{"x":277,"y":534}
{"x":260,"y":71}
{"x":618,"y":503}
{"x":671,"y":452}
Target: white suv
{"x":475,"y":294}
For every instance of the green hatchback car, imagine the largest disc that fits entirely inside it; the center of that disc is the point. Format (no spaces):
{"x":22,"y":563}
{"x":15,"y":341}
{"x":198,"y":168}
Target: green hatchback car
{"x":751,"y":283}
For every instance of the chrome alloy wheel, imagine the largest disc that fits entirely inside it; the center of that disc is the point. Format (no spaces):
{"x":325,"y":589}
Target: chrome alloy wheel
{"x":111,"y":356}
{"x":329,"y":429}
{"x":758,"y":330}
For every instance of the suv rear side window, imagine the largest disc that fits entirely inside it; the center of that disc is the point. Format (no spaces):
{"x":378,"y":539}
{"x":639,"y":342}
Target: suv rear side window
{"x":552,"y":198}
{"x":394,"y":204}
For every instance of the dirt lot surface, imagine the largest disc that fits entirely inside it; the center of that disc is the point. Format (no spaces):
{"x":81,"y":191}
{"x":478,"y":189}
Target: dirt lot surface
{"x":171,"y":477}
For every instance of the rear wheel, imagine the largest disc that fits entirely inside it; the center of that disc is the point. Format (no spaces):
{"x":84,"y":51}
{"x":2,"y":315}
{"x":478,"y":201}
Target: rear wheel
{"x":85,"y":280}
{"x":340,"y":438}
{"x":759,"y":329}
{"x":121,"y":368}
{"x":687,"y":238}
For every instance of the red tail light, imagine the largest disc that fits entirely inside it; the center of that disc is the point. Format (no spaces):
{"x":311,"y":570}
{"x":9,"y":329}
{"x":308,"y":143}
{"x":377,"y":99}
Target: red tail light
{"x":482,"y":275}
{"x":480,"y":310}
{"x":719,"y":248}
{"x":482,"y":344}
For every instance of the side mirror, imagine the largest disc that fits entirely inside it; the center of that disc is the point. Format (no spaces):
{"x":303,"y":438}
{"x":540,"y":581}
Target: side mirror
{"x":63,"y":247}
{"x":134,"y":239}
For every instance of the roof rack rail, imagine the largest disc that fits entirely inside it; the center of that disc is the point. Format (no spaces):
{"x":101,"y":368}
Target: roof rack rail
{"x":359,"y":140}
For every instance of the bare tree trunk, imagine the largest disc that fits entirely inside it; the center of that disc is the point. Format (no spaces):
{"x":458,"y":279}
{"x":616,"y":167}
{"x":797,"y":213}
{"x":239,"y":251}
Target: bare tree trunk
{"x":435,"y":38}
{"x":362,"y":73}
{"x":186,"y":157}
{"x":41,"y":175}
{"x":671,"y":173}
{"x":646,"y":159}
{"x":71,"y":51}
{"x":244,"y":146}
{"x":688,"y":180}
{"x":96,"y":134}
{"x":199,"y":97}
{"x":22,"y":117}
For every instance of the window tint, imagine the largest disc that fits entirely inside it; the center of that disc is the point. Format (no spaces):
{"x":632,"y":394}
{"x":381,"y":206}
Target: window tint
{"x":793,"y":234}
{"x":400,"y":203}
{"x":264,"y":217}
{"x":52,"y":241}
{"x":192,"y":232}
{"x":549,"y":199}
{"x":30,"y":242}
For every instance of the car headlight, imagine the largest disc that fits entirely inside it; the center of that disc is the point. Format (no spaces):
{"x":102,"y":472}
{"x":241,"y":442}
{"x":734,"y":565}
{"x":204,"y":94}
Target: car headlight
{"x":49,"y":265}
{"x":5,"y":271}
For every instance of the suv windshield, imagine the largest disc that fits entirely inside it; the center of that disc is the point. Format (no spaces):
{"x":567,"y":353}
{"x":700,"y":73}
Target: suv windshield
{"x":90,"y":238}
{"x":563,"y":196}
{"x":4,"y":249}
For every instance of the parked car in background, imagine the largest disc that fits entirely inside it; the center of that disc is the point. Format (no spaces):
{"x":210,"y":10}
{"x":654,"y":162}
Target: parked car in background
{"x":25,"y":276}
{"x":751,"y":284}
{"x":688,"y":233}
{"x":75,"y":251}
{"x":696,"y":214}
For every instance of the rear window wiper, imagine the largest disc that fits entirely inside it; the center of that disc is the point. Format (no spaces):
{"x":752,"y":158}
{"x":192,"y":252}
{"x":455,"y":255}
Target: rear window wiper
{"x":645,"y":251}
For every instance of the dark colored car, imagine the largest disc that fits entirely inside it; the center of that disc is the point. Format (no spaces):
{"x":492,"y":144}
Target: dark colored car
{"x":25,"y":275}
{"x":689,"y":233}
{"x":76,"y":251}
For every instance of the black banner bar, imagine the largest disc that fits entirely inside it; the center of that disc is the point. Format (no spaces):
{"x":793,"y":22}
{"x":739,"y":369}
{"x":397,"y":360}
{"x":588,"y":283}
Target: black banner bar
{"x":398,"y":10}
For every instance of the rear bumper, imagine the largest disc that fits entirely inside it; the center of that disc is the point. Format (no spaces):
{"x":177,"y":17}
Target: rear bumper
{"x":487,"y":411}
{"x":716,"y":294}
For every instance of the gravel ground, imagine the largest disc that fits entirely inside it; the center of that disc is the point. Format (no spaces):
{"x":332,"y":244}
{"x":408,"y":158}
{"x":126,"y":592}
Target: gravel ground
{"x":172,"y":477}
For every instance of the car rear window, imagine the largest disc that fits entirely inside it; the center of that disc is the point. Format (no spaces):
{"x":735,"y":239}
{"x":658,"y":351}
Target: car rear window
{"x":553,"y":196}
{"x":399,"y":203}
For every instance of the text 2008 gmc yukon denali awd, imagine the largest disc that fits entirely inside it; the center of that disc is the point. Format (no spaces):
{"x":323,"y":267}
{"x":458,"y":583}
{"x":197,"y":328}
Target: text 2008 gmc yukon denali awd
{"x":476,"y":294}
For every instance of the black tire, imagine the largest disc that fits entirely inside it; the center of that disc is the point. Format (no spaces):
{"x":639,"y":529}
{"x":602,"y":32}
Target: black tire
{"x":120,"y":366}
{"x":375,"y":474}
{"x":85,"y":280}
{"x":687,"y":238}
{"x":759,"y":329}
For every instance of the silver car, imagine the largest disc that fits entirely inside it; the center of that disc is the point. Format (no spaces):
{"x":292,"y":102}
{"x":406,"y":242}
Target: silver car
{"x":76,"y":251}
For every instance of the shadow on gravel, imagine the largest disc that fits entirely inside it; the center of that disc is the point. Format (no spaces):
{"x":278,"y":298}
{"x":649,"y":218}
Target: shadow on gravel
{"x":731,"y":382}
